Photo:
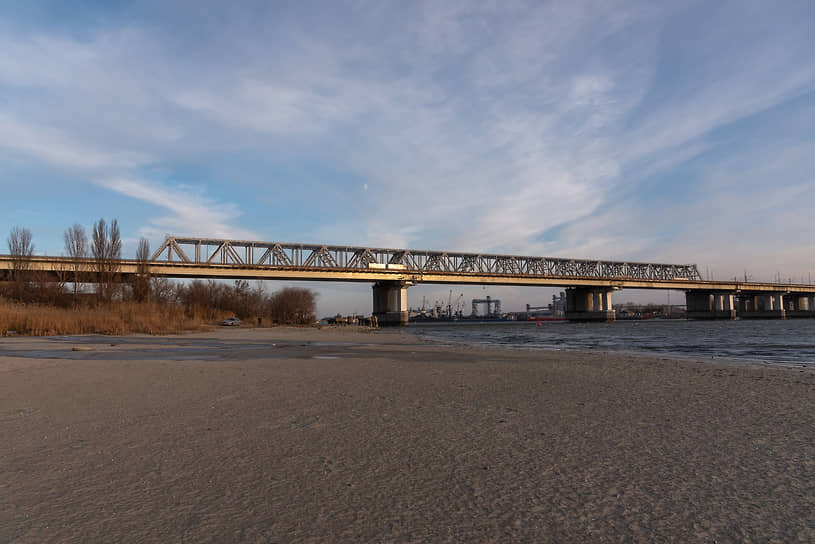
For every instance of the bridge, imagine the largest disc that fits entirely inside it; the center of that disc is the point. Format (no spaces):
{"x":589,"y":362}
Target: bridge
{"x":588,"y":283}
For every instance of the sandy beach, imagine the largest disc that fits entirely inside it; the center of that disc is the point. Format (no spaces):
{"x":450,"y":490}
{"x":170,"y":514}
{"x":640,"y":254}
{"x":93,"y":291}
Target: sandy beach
{"x":346,"y":435}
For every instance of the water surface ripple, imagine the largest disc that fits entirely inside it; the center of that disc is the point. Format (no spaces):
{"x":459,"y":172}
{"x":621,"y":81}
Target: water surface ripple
{"x":778,"y":342}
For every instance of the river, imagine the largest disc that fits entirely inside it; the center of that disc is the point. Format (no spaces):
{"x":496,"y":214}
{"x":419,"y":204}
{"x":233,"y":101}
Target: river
{"x":788,"y":342}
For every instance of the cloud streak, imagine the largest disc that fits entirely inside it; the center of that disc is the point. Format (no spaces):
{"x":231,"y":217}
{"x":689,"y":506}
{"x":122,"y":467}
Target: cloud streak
{"x":59,"y":148}
{"x":191,"y":214}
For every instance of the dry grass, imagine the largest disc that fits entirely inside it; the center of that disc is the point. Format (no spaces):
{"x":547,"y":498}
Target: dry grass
{"x":117,"y":319}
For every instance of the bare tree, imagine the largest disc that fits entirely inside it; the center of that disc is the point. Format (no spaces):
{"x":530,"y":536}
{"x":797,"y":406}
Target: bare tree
{"x":162,"y":290}
{"x":21,"y":250}
{"x":19,"y":244}
{"x":293,"y":305}
{"x":76,"y":246}
{"x":107,"y":251}
{"x":76,"y":242}
{"x":48,"y":286}
{"x":141,"y":283}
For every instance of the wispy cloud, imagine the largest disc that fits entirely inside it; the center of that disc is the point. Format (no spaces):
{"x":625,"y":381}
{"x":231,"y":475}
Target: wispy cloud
{"x":190,"y":213}
{"x":61,"y":149}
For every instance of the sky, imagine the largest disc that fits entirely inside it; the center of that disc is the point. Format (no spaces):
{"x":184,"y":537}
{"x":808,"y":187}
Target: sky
{"x":677,"y":132}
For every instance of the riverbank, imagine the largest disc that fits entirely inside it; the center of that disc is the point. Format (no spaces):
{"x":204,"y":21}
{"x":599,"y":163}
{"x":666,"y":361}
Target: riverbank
{"x":307,"y":435}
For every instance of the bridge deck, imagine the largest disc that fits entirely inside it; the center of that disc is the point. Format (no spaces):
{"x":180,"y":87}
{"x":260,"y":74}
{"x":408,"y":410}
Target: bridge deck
{"x":64,"y":268}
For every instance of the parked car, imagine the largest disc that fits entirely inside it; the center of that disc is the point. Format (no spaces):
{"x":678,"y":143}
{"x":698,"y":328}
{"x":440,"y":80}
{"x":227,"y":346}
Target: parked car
{"x":231,"y":322}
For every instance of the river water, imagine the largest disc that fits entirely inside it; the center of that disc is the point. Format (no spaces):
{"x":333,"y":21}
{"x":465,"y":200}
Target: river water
{"x":788,"y":342}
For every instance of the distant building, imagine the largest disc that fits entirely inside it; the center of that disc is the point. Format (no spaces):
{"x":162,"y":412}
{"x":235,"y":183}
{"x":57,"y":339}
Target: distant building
{"x":556,"y":309}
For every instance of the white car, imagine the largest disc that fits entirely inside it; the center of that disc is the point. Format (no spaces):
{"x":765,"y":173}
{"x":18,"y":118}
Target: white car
{"x":231,"y":322}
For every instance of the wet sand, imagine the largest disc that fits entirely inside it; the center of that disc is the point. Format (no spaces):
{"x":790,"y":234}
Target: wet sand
{"x":305,"y":435}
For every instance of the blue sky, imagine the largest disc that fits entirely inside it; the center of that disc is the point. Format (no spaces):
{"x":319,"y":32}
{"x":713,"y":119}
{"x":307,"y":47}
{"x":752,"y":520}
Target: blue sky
{"x":675,"y":132}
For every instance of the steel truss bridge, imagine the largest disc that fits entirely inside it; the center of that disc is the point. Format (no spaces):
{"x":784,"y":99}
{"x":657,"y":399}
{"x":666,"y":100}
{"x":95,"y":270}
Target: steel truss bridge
{"x":416,"y":263}
{"x":181,"y":257}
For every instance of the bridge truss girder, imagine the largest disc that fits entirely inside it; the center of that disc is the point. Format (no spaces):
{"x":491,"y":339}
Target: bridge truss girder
{"x":208,"y":251}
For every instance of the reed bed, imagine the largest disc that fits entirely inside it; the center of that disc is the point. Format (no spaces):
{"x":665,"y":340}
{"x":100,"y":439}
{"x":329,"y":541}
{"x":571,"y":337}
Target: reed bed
{"x":115,"y":319}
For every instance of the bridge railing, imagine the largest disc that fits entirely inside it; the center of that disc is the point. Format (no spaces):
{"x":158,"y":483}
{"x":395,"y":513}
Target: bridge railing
{"x":205,"y":251}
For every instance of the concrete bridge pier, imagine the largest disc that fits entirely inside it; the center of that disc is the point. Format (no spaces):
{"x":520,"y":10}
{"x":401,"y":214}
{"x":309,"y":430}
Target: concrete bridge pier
{"x":390,"y":303}
{"x":800,"y":305}
{"x":707,"y":305}
{"x":762,"y":306}
{"x":724,"y":305}
{"x":699,"y":305}
{"x":589,"y":304}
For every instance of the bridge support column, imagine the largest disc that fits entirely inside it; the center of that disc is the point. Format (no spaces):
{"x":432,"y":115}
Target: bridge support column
{"x":698,"y":305}
{"x":707,"y":305}
{"x":724,"y":306}
{"x":763,"y":306}
{"x":390,"y":303}
{"x":799,"y":305}
{"x":589,"y":304}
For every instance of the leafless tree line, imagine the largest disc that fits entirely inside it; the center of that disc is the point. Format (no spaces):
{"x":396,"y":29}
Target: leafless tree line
{"x":291,"y":305}
{"x":91,"y":261}
{"x":96,"y":260}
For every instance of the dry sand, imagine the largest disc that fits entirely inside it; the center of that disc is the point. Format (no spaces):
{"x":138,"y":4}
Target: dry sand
{"x":297,"y":435}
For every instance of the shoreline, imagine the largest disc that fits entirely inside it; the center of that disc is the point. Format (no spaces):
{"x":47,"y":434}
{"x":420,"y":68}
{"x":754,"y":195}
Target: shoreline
{"x":416,"y":334}
{"x":662,"y":356}
{"x":362,"y":334}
